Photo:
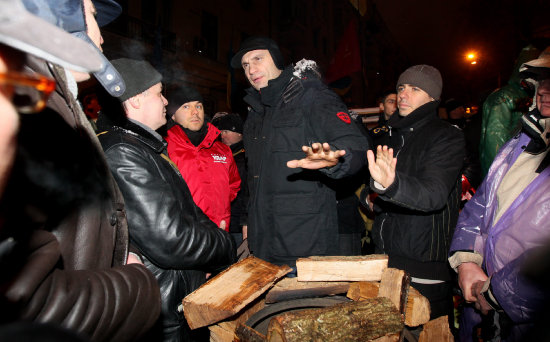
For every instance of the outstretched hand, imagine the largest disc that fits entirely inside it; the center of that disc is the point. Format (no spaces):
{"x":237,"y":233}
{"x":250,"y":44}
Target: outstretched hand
{"x":383,"y":169}
{"x":317,"y":157}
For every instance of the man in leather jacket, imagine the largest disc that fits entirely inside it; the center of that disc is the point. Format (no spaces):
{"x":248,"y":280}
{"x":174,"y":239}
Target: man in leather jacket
{"x":63,"y":231}
{"x":178,"y":241}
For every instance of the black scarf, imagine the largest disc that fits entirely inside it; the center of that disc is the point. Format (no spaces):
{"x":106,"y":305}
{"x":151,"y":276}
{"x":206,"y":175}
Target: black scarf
{"x":196,"y":137}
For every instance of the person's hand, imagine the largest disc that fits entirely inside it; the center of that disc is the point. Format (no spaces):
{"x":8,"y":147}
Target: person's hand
{"x":317,"y":157}
{"x":245,"y":232}
{"x":468,"y":274}
{"x":382,"y":170}
{"x":481,"y":303}
{"x":223,"y":224}
{"x":133,"y":259}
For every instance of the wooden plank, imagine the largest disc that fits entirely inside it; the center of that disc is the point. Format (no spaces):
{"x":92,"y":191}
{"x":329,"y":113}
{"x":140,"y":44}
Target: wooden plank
{"x":291,"y":288}
{"x":355,"y":321}
{"x":436,"y":330}
{"x":417,"y":310}
{"x":342,"y":268}
{"x":226,"y":294}
{"x":395,"y":286}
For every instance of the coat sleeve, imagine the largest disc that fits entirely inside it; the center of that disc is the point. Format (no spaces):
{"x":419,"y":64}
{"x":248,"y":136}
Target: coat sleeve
{"x":429,"y":188}
{"x":117,"y":304}
{"x":330,"y":122}
{"x":167,"y":227}
{"x":497,"y":127}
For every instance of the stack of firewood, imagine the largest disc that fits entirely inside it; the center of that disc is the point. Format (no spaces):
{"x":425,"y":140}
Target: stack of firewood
{"x":382,"y":302}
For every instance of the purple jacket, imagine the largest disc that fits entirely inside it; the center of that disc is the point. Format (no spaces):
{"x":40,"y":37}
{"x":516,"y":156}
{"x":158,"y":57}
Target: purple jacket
{"x":504,"y":246}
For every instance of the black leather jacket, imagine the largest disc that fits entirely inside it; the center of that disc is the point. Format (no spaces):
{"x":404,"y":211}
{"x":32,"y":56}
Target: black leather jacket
{"x":178,"y":241}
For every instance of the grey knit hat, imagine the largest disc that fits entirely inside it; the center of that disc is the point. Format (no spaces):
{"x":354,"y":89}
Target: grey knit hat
{"x":425,"y":77}
{"x":138,"y":75}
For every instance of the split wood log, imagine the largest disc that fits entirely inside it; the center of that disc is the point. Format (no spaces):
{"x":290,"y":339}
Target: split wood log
{"x":226,"y":331}
{"x":244,"y":333}
{"x":395,"y":286}
{"x":417,"y":311}
{"x":436,"y":330}
{"x":291,"y":288}
{"x":388,"y":338}
{"x":342,"y":268}
{"x":355,"y":321}
{"x":227,"y":293}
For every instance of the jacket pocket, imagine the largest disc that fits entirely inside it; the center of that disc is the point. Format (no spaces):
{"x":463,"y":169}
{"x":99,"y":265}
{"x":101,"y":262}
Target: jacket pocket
{"x":288,"y":132}
{"x":300,"y":227}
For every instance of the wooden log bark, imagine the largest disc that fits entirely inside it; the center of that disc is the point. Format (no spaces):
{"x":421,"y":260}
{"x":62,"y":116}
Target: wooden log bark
{"x":226,"y":294}
{"x":417,"y":310}
{"x":355,"y":321}
{"x":395,"y":286}
{"x":436,"y":330}
{"x":342,"y":268}
{"x":291,"y":288}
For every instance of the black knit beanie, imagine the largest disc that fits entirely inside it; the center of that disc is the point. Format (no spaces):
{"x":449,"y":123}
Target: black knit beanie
{"x":180,"y":96}
{"x":229,"y":122}
{"x":138,"y":75}
{"x":425,"y":77}
{"x":259,"y":43}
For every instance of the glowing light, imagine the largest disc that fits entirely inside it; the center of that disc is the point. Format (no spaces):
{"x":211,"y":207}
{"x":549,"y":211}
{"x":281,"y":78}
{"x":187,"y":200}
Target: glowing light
{"x":471,"y":55}
{"x":474,"y":62}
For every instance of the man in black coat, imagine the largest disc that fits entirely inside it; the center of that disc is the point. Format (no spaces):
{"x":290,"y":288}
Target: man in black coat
{"x":292,"y":211}
{"x":178,"y":241}
{"x":419,"y":190}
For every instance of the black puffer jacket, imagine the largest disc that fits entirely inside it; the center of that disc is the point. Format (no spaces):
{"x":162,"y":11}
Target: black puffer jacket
{"x":178,"y":241}
{"x":416,"y":215}
{"x":292,"y":212}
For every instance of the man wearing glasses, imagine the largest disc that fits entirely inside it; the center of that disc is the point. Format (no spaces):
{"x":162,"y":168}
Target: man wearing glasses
{"x":63,"y":231}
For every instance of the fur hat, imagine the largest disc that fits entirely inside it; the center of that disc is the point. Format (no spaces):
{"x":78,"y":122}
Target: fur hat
{"x":138,"y":75}
{"x":180,"y":96}
{"x":259,"y":43}
{"x":230,"y":122}
{"x":425,"y":77}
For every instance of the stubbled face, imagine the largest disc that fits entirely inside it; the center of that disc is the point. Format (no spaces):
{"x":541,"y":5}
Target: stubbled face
{"x":154,"y":103}
{"x":410,"y":97}
{"x":229,"y":137}
{"x":92,"y":29}
{"x":259,"y":68}
{"x":9,"y":125}
{"x":389,"y":105}
{"x":190,"y":115}
{"x":543,"y":98}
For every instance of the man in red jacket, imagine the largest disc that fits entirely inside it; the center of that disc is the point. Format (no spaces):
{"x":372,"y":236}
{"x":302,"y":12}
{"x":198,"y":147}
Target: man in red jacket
{"x":206,"y":164}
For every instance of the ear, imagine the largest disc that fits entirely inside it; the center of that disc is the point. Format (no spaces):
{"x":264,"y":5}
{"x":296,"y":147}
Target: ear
{"x":135,"y":101}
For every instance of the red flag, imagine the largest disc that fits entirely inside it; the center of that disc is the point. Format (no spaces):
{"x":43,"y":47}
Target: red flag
{"x":347,"y":59}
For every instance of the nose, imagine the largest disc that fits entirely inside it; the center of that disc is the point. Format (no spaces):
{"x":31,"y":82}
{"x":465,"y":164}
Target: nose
{"x":164,"y":100}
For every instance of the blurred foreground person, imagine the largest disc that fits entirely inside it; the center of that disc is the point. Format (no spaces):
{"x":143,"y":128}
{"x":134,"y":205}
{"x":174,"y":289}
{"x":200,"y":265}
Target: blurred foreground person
{"x":504,"y":223}
{"x":63,"y":232}
{"x":178,"y":241}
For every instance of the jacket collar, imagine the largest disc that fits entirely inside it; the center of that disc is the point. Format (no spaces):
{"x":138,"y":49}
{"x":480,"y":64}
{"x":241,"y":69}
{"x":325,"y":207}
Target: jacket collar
{"x":144,"y":134}
{"x":415,"y":119}
{"x":270,"y":95}
{"x":177,"y":132}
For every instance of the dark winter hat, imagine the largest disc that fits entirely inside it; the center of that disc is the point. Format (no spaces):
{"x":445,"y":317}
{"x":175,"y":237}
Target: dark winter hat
{"x":138,"y":75}
{"x":259,"y":43}
{"x":229,"y":122}
{"x":179,"y":97}
{"x":425,"y":77}
{"x":452,"y":104}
